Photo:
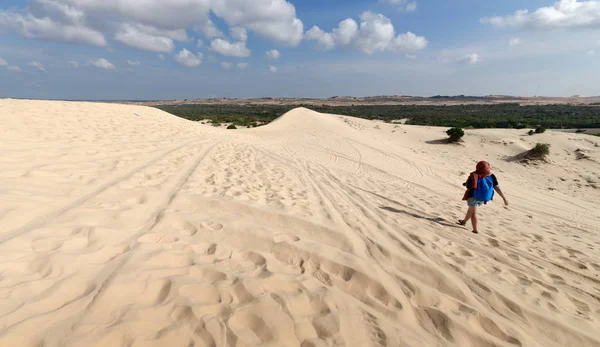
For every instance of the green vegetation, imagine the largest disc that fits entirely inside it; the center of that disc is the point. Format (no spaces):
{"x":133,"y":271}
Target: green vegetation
{"x":455,"y":134}
{"x":232,"y":126}
{"x":538,"y":130}
{"x":507,"y":115}
{"x":539,"y":152}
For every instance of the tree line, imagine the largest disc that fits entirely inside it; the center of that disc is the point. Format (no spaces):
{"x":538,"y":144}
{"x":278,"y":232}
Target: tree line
{"x":508,"y":115}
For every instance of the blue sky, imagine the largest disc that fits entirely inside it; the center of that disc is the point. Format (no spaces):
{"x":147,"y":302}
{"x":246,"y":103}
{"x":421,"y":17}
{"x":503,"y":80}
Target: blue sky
{"x":149,"y":49}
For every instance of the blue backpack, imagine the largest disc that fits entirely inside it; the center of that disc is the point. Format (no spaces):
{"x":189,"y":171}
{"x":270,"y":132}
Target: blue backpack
{"x":485,"y":189}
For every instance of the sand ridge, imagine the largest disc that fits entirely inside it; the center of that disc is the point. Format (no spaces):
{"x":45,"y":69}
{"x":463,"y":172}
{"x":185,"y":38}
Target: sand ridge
{"x":126,"y":226}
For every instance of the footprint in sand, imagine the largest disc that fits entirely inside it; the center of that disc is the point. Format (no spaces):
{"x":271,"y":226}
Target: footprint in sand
{"x":416,"y":239}
{"x":557,"y":279}
{"x":465,"y":253}
{"x":490,"y":327}
{"x":204,"y":248}
{"x":46,"y":245}
{"x":184,"y":228}
{"x":212,"y":226}
{"x":157,"y":238}
{"x":313,"y":342}
{"x":285,"y":238}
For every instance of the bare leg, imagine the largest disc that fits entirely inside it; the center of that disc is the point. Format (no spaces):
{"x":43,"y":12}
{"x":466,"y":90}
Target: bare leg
{"x":470,"y":213}
{"x":474,"y":220}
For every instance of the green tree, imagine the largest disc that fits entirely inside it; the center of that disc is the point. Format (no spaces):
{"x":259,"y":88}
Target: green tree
{"x":455,"y":134}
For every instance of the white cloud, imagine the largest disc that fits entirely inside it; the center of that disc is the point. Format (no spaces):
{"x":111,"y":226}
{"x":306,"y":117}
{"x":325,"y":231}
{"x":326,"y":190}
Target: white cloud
{"x":54,"y":20}
{"x":569,"y":14}
{"x":189,"y":59}
{"x":411,"y":6}
{"x":226,"y":65}
{"x":470,"y":59}
{"x":273,"y":54}
{"x":38,"y":65}
{"x":212,"y":59}
{"x":404,"y":5}
{"x":515,"y":41}
{"x":101,"y":63}
{"x":325,"y":41}
{"x":590,"y":52}
{"x":210,"y":30}
{"x":133,"y":63}
{"x":151,"y":24}
{"x":345,"y":31}
{"x":342,"y":35}
{"x":408,"y":42}
{"x":273,"y":69}
{"x":375,"y":33}
{"x":149,"y":38}
{"x":272,"y":19}
{"x":4,"y":63}
{"x":232,"y":49}
{"x":73,"y":64}
{"x":167,"y":14}
{"x":200,"y":44}
{"x":411,"y":56}
{"x":242,"y":66}
{"x":239,"y":34}
{"x":161,"y":57}
{"x":228,"y":49}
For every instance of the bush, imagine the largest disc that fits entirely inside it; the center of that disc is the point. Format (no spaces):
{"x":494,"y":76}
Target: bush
{"x":232,"y":126}
{"x":540,"y":130}
{"x":455,"y":134}
{"x":539,"y":152}
{"x":531,"y":132}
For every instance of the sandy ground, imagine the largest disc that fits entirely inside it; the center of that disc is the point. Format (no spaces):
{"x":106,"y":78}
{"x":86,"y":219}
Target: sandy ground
{"x":126,"y":226}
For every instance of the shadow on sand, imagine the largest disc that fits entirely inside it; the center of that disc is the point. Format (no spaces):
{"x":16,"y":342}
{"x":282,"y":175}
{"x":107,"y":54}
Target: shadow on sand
{"x":438,"y":220}
{"x":438,"y":142}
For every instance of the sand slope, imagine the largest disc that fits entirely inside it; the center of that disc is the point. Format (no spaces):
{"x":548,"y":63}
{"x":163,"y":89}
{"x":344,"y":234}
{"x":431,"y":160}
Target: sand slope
{"x":126,"y":226}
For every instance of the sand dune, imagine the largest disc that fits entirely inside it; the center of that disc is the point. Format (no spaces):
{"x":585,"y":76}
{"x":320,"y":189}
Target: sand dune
{"x":126,"y":226}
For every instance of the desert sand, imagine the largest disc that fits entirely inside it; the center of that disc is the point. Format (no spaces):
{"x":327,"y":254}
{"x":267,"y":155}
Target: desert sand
{"x":122,"y":225}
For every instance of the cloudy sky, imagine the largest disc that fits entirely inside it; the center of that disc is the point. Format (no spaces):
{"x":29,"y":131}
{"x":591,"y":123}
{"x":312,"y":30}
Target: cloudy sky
{"x":167,"y":49}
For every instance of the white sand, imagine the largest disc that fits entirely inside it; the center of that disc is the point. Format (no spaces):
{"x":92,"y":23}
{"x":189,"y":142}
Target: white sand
{"x":119,"y":229}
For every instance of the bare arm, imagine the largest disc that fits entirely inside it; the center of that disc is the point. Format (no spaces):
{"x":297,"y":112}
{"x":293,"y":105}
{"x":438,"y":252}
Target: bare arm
{"x":497,"y":188}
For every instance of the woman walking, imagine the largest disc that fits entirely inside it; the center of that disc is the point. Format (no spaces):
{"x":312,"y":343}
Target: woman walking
{"x":481,"y":185}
